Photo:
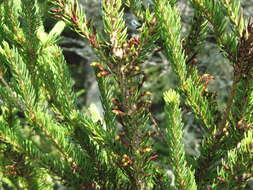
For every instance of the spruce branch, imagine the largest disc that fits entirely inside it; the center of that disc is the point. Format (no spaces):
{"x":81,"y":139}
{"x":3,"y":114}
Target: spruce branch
{"x":23,"y":173}
{"x":174,"y":136}
{"x":41,"y":120}
{"x":11,"y":25}
{"x":72,"y":13}
{"x":115,"y":26}
{"x":73,"y":155}
{"x":148,"y":36}
{"x":234,"y":11}
{"x":26,"y":146}
{"x":239,"y":99}
{"x":130,"y":104}
{"x":31,"y":24}
{"x":243,"y":69}
{"x":234,"y":114}
{"x":170,"y":32}
{"x":213,"y":12}
{"x":52,"y":37}
{"x":193,"y":94}
{"x":196,"y":37}
{"x":236,"y":168}
{"x":59,"y":86}
{"x":59,"y":83}
{"x":249,"y":109}
{"x":23,"y":85}
{"x":77,"y":158}
{"x":242,"y":81}
{"x":169,"y":23}
{"x":236,"y":17}
{"x":9,"y":94}
{"x":106,"y":97}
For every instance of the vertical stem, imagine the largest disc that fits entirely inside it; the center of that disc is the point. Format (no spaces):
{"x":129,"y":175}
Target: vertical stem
{"x":227,"y":111}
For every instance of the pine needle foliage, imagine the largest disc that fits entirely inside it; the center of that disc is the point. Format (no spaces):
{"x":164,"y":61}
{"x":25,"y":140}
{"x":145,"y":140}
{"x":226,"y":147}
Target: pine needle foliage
{"x":45,"y":139}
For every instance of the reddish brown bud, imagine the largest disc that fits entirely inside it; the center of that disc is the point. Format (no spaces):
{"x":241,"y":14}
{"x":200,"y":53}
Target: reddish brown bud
{"x":101,"y":68}
{"x":96,"y":64}
{"x":240,"y":124}
{"x":126,"y":161}
{"x":148,"y":149}
{"x":74,"y":19}
{"x":153,"y":157}
{"x":114,"y":101}
{"x":206,"y":77}
{"x":153,"y":22}
{"x":136,"y":41}
{"x":92,"y":40}
{"x":54,"y":10}
{"x":220,"y":179}
{"x":74,"y":168}
{"x":12,"y":173}
{"x":226,"y":167}
{"x":58,"y":16}
{"x":133,"y":41}
{"x":103,"y":74}
{"x":118,"y":112}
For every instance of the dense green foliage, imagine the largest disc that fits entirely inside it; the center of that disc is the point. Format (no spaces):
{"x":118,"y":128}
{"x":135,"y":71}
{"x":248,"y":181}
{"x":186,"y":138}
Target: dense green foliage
{"x":47,"y":141}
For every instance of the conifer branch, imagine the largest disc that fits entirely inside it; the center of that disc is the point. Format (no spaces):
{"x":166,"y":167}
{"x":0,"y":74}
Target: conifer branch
{"x":148,"y":36}
{"x":114,"y":25}
{"x":71,"y":12}
{"x":213,"y":12}
{"x":56,"y":166}
{"x":195,"y":37}
{"x":174,"y":134}
{"x":168,"y":20}
{"x":55,"y":75}
{"x":23,"y":85}
{"x":241,"y":83}
{"x":233,"y":174}
{"x":58,"y":83}
{"x":106,"y":97}
{"x":32,"y":22}
{"x":43,"y":121}
{"x":11,"y":25}
{"x":235,"y":14}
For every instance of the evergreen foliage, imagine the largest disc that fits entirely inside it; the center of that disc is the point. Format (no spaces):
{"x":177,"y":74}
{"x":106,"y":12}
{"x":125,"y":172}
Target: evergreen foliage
{"x":45,"y":139}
